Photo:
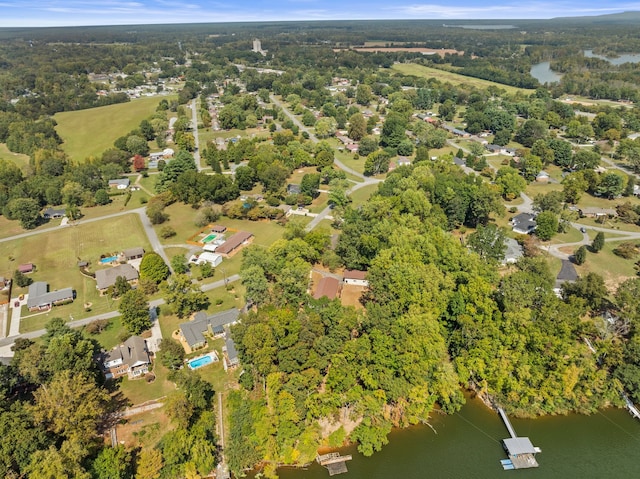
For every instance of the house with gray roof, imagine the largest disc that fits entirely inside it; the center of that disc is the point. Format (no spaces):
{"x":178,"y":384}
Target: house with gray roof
{"x":119,"y":183}
{"x":133,"y":253}
{"x":51,"y":213}
{"x":40,"y":298}
{"x":231,"y":358}
{"x":130,"y":358}
{"x":107,"y":277}
{"x":194,"y":331}
{"x":524,"y":223}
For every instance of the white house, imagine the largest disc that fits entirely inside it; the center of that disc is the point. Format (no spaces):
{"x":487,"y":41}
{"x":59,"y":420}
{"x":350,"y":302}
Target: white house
{"x":355,"y":278}
{"x":206,"y":257}
{"x":120,"y":183}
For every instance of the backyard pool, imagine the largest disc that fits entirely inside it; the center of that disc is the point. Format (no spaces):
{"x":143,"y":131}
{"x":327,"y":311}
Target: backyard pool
{"x":196,"y":363}
{"x":209,"y":238}
{"x":110,"y":259}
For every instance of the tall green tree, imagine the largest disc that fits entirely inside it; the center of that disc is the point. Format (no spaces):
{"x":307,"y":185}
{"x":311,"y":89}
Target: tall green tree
{"x":134,"y":309}
{"x":153,"y":267}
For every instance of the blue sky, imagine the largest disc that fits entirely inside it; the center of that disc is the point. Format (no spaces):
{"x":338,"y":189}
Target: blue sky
{"x":27,"y":13}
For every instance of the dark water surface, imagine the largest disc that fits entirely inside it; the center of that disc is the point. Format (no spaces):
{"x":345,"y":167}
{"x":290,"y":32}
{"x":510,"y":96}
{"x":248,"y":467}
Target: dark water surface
{"x":467,"y":445}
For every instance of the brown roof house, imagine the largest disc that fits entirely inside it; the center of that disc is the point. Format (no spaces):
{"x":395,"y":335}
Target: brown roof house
{"x":234,"y":243}
{"x":107,"y":277}
{"x":130,"y":358}
{"x":133,"y":253}
{"x":328,"y":287}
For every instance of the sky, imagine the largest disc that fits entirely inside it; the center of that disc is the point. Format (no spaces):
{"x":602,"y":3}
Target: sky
{"x":41,"y":13}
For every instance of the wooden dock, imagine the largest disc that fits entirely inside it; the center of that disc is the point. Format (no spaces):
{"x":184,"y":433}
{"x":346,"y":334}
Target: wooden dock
{"x":334,"y":462}
{"x":631,"y":407}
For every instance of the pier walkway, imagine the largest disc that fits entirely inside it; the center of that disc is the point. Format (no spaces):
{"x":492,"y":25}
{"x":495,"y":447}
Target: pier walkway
{"x":520,"y":450}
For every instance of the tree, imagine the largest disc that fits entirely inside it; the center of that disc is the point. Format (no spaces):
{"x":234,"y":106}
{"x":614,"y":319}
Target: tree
{"x":138,"y":163}
{"x":489,"y":242}
{"x":153,"y":267}
{"x":393,"y":130}
{"x":376,"y":163}
{"x":25,"y":210}
{"x":586,"y":160}
{"x":136,"y":145}
{"x":591,"y":288}
{"x":551,"y":201}
{"x":612,"y":184}
{"x":179,"y":264}
{"x":21,"y":280}
{"x":310,"y":184}
{"x":113,"y":463}
{"x":405,"y":147}
{"x":149,"y":464}
{"x":364,"y":94}
{"x":510,"y":182}
{"x":547,"y":225}
{"x":357,"y":127}
{"x":368,"y":145}
{"x":531,"y":131}
{"x":134,"y":309}
{"x":598,"y":242}
{"x":184,"y":297}
{"x":447,"y":110}
{"x":102,"y":197}
{"x":171,"y":354}
{"x":245,"y":177}
{"x":256,"y":284}
{"x":580,"y":255}
{"x":71,"y":405}
{"x":120,"y":287}
{"x":325,"y":127}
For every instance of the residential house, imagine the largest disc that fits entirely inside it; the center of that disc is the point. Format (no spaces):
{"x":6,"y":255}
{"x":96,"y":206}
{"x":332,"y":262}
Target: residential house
{"x":328,"y":287}
{"x":106,"y":278}
{"x":193,"y":332}
{"x":403,"y":161}
{"x":52,"y":213}
{"x":513,"y":251}
{"x":353,"y":147}
{"x":158,"y":155}
{"x":130,"y":358}
{"x":293,"y":189}
{"x":542,"y":177}
{"x":234,"y":243}
{"x":168,"y":153}
{"x":119,"y":183}
{"x":40,"y":298}
{"x":593,"y":212}
{"x":524,"y":223}
{"x":231,"y":359}
{"x":456,"y":131}
{"x":133,"y":253}
{"x":354,"y":277}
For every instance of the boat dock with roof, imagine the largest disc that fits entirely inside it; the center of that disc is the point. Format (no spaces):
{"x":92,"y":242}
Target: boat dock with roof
{"x":521,"y":452}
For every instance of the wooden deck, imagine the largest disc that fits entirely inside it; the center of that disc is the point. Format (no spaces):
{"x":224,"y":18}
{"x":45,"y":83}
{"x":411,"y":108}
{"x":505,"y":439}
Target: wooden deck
{"x":334,"y":462}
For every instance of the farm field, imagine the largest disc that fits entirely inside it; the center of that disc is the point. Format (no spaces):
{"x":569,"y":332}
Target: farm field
{"x":56,"y":255}
{"x":454,"y":78}
{"x":90,"y":132}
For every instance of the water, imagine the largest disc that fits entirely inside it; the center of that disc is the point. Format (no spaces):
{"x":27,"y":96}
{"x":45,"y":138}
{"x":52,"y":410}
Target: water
{"x":467,"y":444}
{"x":544,"y":74}
{"x":201,"y":361}
{"x":110,"y":259}
{"x":624,"y":58}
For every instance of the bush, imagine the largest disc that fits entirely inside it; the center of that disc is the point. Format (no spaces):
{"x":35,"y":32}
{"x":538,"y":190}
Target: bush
{"x":167,"y":232}
{"x":580,"y":256}
{"x":97,"y":326}
{"x":21,"y":280}
{"x":598,"y":242}
{"x":626,"y":250}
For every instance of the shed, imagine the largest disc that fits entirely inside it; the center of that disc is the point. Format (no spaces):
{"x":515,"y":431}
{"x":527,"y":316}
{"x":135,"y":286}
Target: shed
{"x":355,"y":277}
{"x":26,"y":268}
{"x":218,"y":229}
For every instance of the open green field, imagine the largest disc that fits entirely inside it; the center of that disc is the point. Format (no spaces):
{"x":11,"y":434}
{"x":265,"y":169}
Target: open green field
{"x":22,"y":161}
{"x":454,"y":78}
{"x":610,"y":266}
{"x":91,"y":132}
{"x":361,"y":195}
{"x":56,"y":255}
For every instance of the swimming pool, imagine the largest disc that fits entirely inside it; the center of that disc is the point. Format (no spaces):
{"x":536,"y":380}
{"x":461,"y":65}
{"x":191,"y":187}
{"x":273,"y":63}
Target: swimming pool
{"x":196,"y":363}
{"x":110,"y":259}
{"x":209,"y":238}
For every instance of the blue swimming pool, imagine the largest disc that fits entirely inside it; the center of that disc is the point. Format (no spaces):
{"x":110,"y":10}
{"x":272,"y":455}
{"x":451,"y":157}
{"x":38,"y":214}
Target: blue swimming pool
{"x":110,"y":259}
{"x":201,"y":361}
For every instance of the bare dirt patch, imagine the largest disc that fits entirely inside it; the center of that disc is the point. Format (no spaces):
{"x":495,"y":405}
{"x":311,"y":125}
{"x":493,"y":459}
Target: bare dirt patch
{"x":144,"y":429}
{"x":350,"y":295}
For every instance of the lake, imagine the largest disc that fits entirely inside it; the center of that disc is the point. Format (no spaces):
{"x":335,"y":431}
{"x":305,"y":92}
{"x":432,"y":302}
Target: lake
{"x":467,"y":444}
{"x":544,"y":74}
{"x":624,"y":58}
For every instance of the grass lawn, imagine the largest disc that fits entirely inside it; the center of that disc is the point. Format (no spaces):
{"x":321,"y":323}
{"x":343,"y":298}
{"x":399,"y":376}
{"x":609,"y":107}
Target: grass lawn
{"x":361,"y":196}
{"x":454,"y":78}
{"x":348,"y":159}
{"x":138,"y":391}
{"x":109,"y":337}
{"x":319,"y":203}
{"x":611,"y":267}
{"x":149,"y":182}
{"x":534,"y":188}
{"x":90,"y":132}
{"x":571,"y":236}
{"x":56,"y":255}
{"x":22,"y":161}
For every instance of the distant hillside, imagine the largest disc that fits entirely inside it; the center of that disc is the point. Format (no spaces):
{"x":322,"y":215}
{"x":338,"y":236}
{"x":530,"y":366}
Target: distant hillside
{"x":612,"y":18}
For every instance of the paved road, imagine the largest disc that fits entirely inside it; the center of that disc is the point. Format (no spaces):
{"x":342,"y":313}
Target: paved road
{"x":194,"y":122}
{"x":152,"y":236}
